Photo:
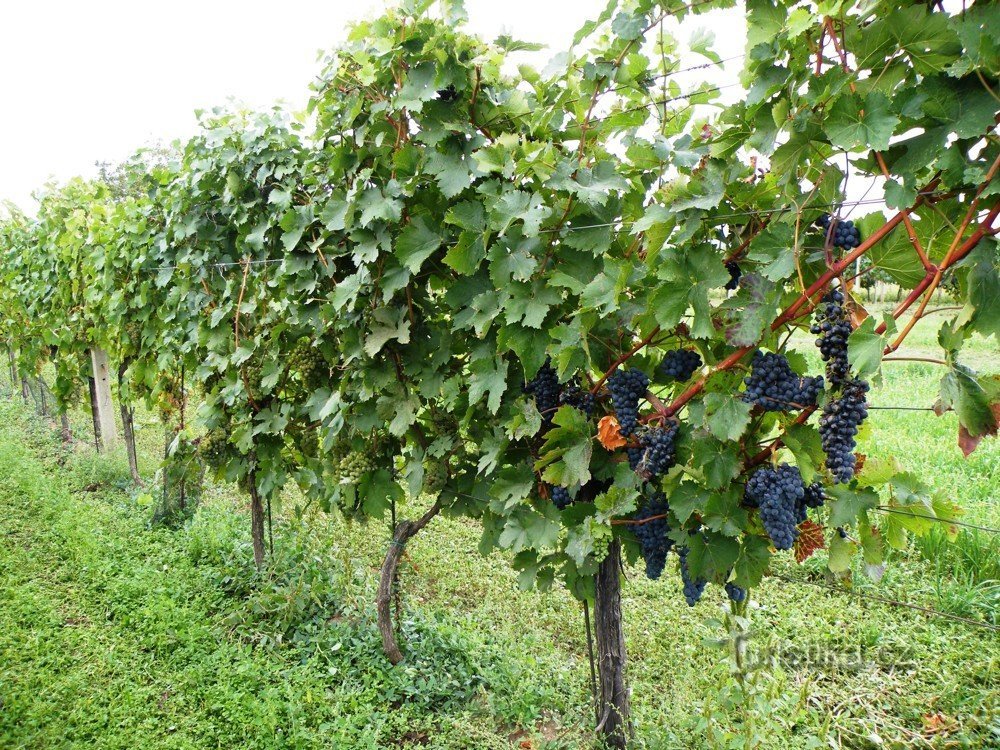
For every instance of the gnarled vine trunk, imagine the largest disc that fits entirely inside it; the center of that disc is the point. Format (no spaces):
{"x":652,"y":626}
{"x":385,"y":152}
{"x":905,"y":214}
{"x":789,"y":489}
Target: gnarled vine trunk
{"x":128,"y":427}
{"x":92,"y":387}
{"x":404,"y":531}
{"x":614,"y":723}
{"x":256,"y":522}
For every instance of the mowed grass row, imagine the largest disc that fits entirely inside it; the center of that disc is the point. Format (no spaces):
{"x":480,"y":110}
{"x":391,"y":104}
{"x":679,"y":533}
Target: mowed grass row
{"x":183,"y":645}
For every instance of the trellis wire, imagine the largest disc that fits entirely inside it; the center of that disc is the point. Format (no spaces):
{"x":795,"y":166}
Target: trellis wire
{"x":892,"y":602}
{"x":899,"y":512}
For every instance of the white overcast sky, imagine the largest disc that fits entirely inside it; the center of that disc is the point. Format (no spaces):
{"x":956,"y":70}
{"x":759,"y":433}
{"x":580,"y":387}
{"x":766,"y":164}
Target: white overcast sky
{"x":89,"y":81}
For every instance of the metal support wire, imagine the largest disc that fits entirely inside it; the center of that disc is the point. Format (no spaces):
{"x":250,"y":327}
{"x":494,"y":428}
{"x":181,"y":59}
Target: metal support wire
{"x":891,"y":602}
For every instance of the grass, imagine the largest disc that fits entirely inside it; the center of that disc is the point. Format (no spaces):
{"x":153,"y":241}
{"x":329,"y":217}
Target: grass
{"x":115,"y":634}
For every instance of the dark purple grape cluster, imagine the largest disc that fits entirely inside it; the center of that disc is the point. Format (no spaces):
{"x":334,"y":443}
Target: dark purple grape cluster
{"x":659,"y":453}
{"x":652,"y":535}
{"x":735,"y":593}
{"x":779,"y":493}
{"x":845,"y":235}
{"x":774,"y":386}
{"x":680,"y":364}
{"x":735,"y":272}
{"x":634,"y":453}
{"x":833,"y":328}
{"x":628,"y":388}
{"x":545,"y":389}
{"x":815,"y":495}
{"x":838,"y":428}
{"x":560,"y":496}
{"x":578,"y":397}
{"x":693,"y":588}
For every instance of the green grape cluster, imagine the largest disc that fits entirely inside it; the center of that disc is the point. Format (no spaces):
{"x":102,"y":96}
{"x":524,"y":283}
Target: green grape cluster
{"x":133,"y":331}
{"x":354,"y":466}
{"x":309,"y":363}
{"x":252,"y":374}
{"x":212,"y":448}
{"x":435,"y":476}
{"x":443,"y":423}
{"x":307,"y":441}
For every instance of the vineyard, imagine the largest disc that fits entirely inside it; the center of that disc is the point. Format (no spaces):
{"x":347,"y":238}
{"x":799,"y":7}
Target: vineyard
{"x":492,"y":405}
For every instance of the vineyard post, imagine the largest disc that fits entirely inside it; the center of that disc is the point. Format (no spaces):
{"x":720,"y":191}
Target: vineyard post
{"x":101,"y":404}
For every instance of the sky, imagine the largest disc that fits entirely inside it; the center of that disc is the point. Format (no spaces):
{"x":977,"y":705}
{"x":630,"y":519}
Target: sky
{"x":93,"y":81}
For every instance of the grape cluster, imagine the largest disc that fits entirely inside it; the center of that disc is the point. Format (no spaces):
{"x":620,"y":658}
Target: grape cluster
{"x":845,"y":234}
{"x":652,"y":535}
{"x":443,"y":423}
{"x":212,"y":448}
{"x":545,"y":389}
{"x":735,"y":272}
{"x":560,"y":496}
{"x":634,"y":453}
{"x":627,"y":388}
{"x":780,"y":495}
{"x":307,"y":442}
{"x":354,"y":466}
{"x":838,"y":428}
{"x":680,"y":364}
{"x":435,"y":476}
{"x":577,"y":397}
{"x":309,"y":363}
{"x":659,"y":453}
{"x":774,"y":386}
{"x":735,"y":593}
{"x":833,"y":329}
{"x":251,"y":374}
{"x":693,"y":589}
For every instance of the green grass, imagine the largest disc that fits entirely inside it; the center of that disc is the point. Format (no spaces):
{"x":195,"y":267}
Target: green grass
{"x":115,"y":634}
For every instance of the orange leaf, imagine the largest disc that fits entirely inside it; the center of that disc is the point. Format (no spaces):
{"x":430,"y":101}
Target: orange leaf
{"x":810,"y":539}
{"x":609,"y":433}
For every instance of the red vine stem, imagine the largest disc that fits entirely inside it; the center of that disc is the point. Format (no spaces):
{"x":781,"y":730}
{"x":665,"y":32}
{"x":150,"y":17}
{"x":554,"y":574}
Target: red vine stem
{"x":984,"y":229}
{"x":805,"y":298}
